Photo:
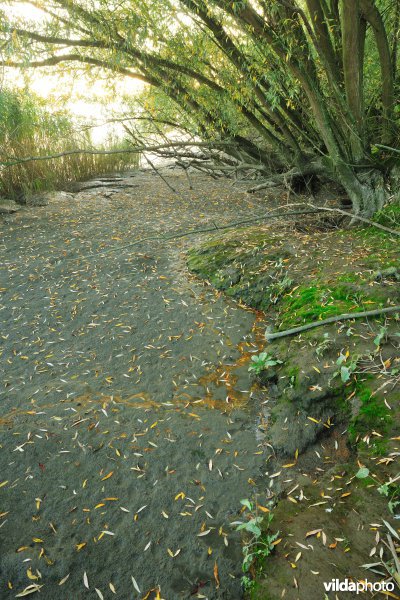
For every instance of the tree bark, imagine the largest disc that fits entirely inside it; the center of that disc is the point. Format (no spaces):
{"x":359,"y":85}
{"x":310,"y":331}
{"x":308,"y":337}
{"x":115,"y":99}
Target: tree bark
{"x":366,"y":189}
{"x":352,"y":70}
{"x":373,"y":16}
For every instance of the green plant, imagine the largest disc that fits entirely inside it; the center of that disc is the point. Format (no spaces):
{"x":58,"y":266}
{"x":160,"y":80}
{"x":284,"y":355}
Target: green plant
{"x":392,"y":566}
{"x":381,"y":335}
{"x":259,"y":545}
{"x":29,"y":127}
{"x":392,"y":492}
{"x":279,"y":288}
{"x":323,"y":346}
{"x":345,"y":371}
{"x":262,"y":361}
{"x":247,"y":583}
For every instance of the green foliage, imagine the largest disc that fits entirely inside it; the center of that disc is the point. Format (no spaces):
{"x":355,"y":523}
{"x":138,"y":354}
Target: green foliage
{"x":239,"y":73}
{"x":362,"y":473}
{"x":392,"y":492}
{"x":381,"y":335}
{"x":28,"y":128}
{"x":260,"y":543}
{"x":346,"y":370}
{"x":263,"y":361}
{"x":389,"y":215}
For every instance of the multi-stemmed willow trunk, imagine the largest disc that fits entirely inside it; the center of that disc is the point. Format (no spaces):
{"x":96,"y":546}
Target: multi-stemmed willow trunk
{"x":301,"y":85}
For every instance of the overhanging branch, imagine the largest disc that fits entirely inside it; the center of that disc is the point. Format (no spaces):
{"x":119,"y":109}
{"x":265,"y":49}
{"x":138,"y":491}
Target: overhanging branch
{"x":56,"y":60}
{"x":133,"y":150}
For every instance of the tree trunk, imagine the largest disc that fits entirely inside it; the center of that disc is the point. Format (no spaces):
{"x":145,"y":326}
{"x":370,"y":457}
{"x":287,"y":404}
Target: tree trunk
{"x":395,"y":182}
{"x":366,"y":189}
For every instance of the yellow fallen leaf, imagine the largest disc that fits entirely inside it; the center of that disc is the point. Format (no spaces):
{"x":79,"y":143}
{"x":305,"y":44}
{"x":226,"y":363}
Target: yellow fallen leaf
{"x":263,"y":508}
{"x":313,"y":420}
{"x":80,"y":546}
{"x":107,"y":476}
{"x":31,"y":589}
{"x":276,"y":542}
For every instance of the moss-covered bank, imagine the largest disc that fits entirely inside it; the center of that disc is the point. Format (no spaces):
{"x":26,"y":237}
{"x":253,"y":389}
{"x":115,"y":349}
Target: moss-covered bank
{"x":333,"y":397}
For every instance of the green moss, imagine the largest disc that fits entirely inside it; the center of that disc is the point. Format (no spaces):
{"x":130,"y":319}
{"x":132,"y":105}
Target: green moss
{"x":257,"y":270}
{"x":292,"y":375}
{"x":308,"y":304}
{"x":373,"y":415}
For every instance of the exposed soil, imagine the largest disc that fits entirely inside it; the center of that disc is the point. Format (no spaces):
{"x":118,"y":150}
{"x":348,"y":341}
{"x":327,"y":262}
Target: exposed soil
{"x":130,"y":429}
{"x":331,"y":403}
{"x":127,"y":420}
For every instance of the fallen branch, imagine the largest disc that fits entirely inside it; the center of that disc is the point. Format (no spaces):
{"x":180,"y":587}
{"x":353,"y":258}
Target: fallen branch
{"x":388,"y":148}
{"x":164,"y":238}
{"x":353,"y":216}
{"x":369,"y":313}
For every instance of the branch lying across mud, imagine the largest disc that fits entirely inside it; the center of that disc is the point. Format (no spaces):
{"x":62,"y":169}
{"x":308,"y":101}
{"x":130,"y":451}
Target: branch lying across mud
{"x":357,"y":217}
{"x":213,"y":229}
{"x":346,"y":316}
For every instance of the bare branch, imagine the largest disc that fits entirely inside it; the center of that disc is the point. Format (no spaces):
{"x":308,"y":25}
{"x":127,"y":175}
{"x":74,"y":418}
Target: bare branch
{"x":368,"y":313}
{"x":133,"y":150}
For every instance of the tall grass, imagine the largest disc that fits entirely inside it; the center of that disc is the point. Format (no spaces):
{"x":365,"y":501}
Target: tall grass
{"x":27,"y":128}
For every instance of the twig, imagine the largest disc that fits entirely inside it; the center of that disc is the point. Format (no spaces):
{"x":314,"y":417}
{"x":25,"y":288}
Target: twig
{"x":353,"y":216}
{"x":369,"y":313}
{"x":149,"y":162}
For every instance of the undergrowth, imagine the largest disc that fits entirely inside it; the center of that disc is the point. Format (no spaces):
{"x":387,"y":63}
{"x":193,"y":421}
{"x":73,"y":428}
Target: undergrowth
{"x":28,"y":128}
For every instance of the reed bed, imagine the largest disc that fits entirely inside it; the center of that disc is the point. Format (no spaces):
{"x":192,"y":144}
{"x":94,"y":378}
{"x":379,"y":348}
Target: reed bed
{"x":28,"y":128}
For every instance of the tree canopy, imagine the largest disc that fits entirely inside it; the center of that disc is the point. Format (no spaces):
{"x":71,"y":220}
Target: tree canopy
{"x":305,"y":86}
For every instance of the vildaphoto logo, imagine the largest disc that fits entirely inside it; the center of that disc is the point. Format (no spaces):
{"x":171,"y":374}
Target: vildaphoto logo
{"x":359,"y":587}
